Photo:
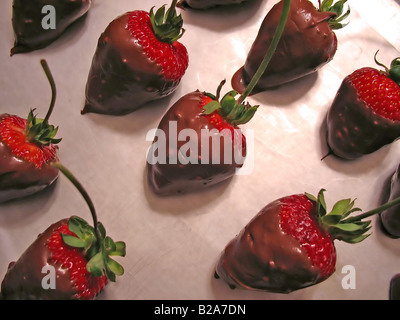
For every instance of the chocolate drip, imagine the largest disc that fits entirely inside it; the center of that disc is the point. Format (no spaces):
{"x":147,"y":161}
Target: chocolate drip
{"x":354,"y":129}
{"x":263,"y":257}
{"x":170,"y":178}
{"x":23,"y":279}
{"x":122,"y":78}
{"x":27,"y":21}
{"x":307,"y":44}
{"x":20,"y":178}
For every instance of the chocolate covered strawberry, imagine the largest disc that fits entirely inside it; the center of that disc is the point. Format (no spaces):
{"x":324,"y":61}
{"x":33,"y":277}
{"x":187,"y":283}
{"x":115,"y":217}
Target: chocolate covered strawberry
{"x":365,"y":114}
{"x":138,"y":59}
{"x":38,"y":23}
{"x":70,"y":260}
{"x":308,"y":43}
{"x":27,"y":149}
{"x":390,"y":218}
{"x":205,"y":4}
{"x":198,"y":143}
{"x":289,"y":244}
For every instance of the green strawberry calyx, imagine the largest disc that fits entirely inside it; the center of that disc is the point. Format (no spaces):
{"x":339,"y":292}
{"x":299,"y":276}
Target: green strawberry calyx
{"x":229,"y":108}
{"x":97,"y":251}
{"x":167,"y":26}
{"x":335,"y":221}
{"x":96,"y":246}
{"x":39,"y":131}
{"x":338,"y":8}
{"x":339,"y":223}
{"x":394,"y":71}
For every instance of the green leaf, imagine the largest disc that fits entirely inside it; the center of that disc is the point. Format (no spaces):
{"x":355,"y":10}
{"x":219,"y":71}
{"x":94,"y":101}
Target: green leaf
{"x":115,"y":267}
{"x":73,"y":241}
{"x":340,"y":207}
{"x":211,"y":107}
{"x":96,"y":265}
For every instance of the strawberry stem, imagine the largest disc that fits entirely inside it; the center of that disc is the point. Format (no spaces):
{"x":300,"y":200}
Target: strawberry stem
{"x":372,"y":212}
{"x":53,"y":88}
{"x":270,"y":52}
{"x":84,"y":194}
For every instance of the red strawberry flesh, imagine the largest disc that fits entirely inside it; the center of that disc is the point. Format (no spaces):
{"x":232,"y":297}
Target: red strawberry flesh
{"x":378,"y":91}
{"x":13,"y":134}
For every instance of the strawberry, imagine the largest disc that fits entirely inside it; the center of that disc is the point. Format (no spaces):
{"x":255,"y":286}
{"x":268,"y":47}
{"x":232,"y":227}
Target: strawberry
{"x":308,"y":43}
{"x":78,"y":253}
{"x":206,"y":4}
{"x":138,"y":59}
{"x":27,"y":149}
{"x":289,"y":244}
{"x":390,"y":218}
{"x":207,"y":164}
{"x":365,"y":114}
{"x":28,"y":17}
{"x":203,"y":119}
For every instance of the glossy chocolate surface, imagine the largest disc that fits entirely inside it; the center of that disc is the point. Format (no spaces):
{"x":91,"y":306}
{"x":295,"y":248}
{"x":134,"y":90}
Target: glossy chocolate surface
{"x":170,"y":178}
{"x":122,"y":78}
{"x":394,"y":290}
{"x":263,"y":257}
{"x":390,"y":218}
{"x":23,"y":279}
{"x":353,"y":128}
{"x":307,"y":44}
{"x":27,"y":19}
{"x":20,"y":178}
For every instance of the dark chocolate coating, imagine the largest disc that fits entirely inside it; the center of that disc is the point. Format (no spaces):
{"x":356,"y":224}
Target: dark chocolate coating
{"x":390,"y":218}
{"x":27,"y":19}
{"x":122,"y":78}
{"x":23,"y":280}
{"x":306,"y":45}
{"x":262,"y":257}
{"x":394,"y":290}
{"x":353,"y":129}
{"x":20,"y":178}
{"x":170,"y":178}
{"x":205,"y":4}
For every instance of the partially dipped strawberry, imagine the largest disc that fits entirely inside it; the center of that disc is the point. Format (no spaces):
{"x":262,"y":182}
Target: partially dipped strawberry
{"x":289,"y":244}
{"x":138,"y":59}
{"x":365,"y":114}
{"x":308,"y":43}
{"x":198,"y":143}
{"x":30,"y":19}
{"x":27,"y":149}
{"x":206,"y":4}
{"x":70,"y":260}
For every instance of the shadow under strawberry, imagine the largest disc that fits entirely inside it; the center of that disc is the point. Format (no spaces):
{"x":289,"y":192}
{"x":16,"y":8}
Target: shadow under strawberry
{"x":27,"y":17}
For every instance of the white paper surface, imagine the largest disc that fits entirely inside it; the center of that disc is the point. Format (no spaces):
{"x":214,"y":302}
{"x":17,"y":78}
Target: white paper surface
{"x":174,"y":243}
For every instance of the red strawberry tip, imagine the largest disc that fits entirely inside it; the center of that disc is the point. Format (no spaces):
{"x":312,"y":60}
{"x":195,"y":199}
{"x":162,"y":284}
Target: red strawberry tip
{"x":335,"y":22}
{"x":167,"y":26}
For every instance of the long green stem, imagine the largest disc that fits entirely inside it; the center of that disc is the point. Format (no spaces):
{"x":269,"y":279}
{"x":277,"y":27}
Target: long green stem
{"x":53,"y":88}
{"x":84,"y":194}
{"x":171,"y":10}
{"x":270,"y":52}
{"x":370,"y":213}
